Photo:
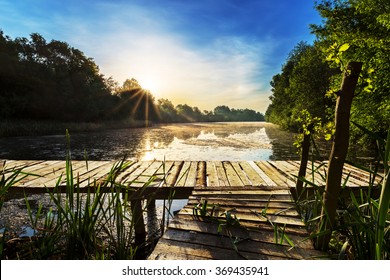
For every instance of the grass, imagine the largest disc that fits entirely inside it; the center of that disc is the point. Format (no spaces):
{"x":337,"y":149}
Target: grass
{"x":362,"y":229}
{"x":83,"y":223}
{"x":95,"y":224}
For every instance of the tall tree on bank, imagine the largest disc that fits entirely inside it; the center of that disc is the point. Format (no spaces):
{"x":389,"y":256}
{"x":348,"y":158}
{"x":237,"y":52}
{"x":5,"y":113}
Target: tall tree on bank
{"x":302,"y":85}
{"x":338,"y":153}
{"x":359,"y":30}
{"x":355,"y":30}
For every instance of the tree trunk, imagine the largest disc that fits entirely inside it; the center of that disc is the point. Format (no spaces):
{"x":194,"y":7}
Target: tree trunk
{"x":338,"y":153}
{"x":303,"y":166}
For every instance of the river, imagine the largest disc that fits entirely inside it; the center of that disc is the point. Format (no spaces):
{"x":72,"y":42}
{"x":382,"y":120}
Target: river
{"x":196,"y":141}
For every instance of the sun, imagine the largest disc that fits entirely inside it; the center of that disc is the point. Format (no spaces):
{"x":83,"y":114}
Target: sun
{"x":150,"y":85}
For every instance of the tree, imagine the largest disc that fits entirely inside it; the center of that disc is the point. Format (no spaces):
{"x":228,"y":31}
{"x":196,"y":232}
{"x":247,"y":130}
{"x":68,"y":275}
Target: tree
{"x":359,"y":30}
{"x":130,"y":84}
{"x":167,"y":112}
{"x":338,"y":153}
{"x":302,"y":85}
{"x":51,"y":80}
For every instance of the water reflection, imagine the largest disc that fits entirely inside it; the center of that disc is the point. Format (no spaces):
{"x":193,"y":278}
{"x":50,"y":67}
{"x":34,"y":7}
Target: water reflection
{"x":199,"y":141}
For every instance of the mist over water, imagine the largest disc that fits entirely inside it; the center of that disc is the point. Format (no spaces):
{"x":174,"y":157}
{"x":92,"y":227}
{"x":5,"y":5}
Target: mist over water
{"x":197,"y":141}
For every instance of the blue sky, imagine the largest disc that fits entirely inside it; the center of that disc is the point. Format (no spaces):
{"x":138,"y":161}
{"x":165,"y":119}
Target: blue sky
{"x":200,"y":52}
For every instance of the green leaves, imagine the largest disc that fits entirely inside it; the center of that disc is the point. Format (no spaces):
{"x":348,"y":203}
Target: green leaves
{"x":344,"y":47}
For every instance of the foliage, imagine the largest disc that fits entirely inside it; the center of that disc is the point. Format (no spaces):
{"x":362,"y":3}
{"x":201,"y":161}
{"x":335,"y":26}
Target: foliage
{"x":358,"y":30}
{"x":362,"y":228}
{"x":51,"y":80}
{"x":352,"y":30}
{"x":184,"y":113}
{"x":302,"y":85}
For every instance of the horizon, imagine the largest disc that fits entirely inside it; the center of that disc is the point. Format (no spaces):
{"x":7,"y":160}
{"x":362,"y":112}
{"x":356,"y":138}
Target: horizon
{"x":202,"y":53}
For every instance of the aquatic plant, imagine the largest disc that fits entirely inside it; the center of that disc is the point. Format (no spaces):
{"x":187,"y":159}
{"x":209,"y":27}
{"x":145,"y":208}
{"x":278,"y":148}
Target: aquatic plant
{"x":362,"y":227}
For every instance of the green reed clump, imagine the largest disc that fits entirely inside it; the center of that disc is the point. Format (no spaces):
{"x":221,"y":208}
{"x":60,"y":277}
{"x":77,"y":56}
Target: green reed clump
{"x":91,"y":222}
{"x":362,"y":229}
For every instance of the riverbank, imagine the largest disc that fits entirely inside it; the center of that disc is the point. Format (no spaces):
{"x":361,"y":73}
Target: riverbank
{"x":11,"y":128}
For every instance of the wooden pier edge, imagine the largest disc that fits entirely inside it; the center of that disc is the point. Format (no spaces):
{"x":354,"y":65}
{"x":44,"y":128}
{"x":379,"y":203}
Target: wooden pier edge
{"x":255,"y":194}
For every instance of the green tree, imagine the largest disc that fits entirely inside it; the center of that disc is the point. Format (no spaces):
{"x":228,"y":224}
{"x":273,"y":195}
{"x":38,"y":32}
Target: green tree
{"x":167,"y":111}
{"x":302,"y":85}
{"x":359,"y":30}
{"x":51,"y":80}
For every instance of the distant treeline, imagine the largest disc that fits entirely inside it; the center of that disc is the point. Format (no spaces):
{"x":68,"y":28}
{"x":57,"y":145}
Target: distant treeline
{"x":42,"y":80}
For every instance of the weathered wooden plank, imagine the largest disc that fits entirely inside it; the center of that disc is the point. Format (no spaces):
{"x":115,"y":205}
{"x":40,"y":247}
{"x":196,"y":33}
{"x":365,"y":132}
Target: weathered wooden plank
{"x":221,"y":174}
{"x":242,"y":203}
{"x":274,"y":174}
{"x":267,"y":236}
{"x":98,"y":174}
{"x":9,"y":165}
{"x":122,"y":178}
{"x":222,"y":208}
{"x":211,"y":172}
{"x":252,"y":225}
{"x":243,"y":246}
{"x":159,"y":253}
{"x":261,"y":173}
{"x":254,"y":177}
{"x":347,"y":173}
{"x":45,"y":169}
{"x":201,"y":180}
{"x":47,"y":180}
{"x":259,"y":198}
{"x":256,"y":217}
{"x":239,"y":191}
{"x":162,"y":173}
{"x":241,"y":174}
{"x":289,"y":171}
{"x":173,"y":173}
{"x":192,"y":175}
{"x":183,"y":174}
{"x":247,"y":196}
{"x":80,"y":173}
{"x":134,"y":178}
{"x":359,"y":174}
{"x":192,"y":251}
{"x":313,"y":172}
{"x":231,"y":174}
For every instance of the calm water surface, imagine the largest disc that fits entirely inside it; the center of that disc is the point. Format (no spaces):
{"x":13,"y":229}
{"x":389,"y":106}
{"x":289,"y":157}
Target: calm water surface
{"x":198,"y":141}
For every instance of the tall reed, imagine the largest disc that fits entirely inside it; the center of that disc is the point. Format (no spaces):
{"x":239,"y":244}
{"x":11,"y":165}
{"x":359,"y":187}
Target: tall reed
{"x":362,"y":229}
{"x":90,"y":222}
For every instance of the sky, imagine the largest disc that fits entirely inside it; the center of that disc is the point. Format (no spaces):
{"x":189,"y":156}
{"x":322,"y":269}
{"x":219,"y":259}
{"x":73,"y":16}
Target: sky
{"x":203,"y":53}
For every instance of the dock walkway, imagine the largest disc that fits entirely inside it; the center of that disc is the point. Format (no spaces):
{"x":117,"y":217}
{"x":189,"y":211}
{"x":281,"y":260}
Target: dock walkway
{"x":235,"y":210}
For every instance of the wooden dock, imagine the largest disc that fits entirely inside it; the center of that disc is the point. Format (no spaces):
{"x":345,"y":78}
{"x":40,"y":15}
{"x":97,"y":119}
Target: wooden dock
{"x":184,"y":176}
{"x":236,"y":210}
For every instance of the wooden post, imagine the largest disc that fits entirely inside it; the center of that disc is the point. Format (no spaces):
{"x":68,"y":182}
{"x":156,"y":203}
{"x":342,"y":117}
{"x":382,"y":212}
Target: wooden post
{"x":338,"y":153}
{"x":154,"y":229}
{"x":304,"y":160}
{"x":139,"y":224}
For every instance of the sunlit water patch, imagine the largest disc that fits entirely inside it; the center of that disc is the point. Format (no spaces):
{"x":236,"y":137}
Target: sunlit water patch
{"x":214,"y":142}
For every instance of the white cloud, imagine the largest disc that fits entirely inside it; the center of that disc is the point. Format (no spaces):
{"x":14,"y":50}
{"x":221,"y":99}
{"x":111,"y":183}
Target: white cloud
{"x":226,"y":72}
{"x":129,"y":41}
